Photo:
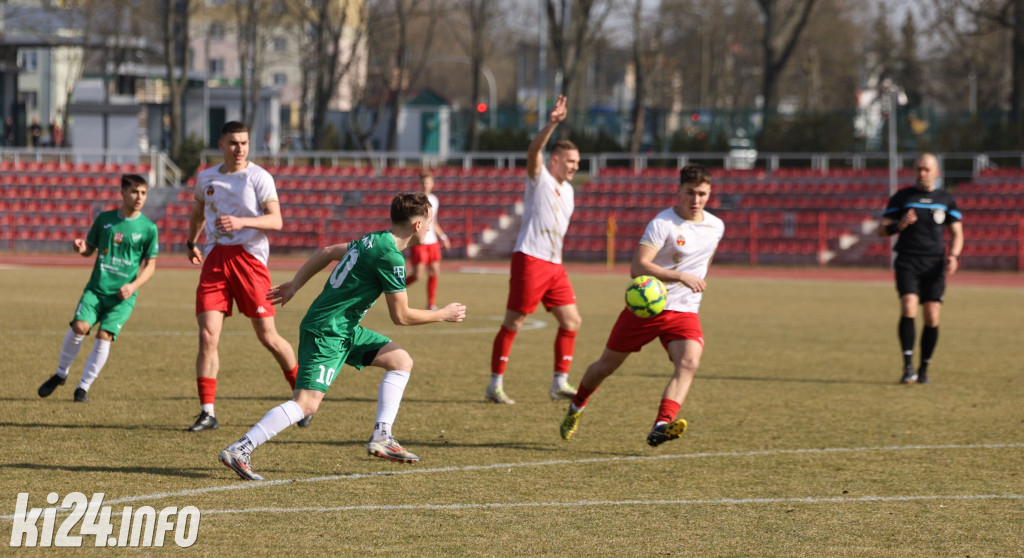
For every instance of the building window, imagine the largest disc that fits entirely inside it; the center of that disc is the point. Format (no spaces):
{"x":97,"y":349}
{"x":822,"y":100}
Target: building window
{"x":217,"y":67}
{"x":28,"y":60}
{"x":280,"y":78}
{"x":280,"y":44}
{"x":216,"y":31}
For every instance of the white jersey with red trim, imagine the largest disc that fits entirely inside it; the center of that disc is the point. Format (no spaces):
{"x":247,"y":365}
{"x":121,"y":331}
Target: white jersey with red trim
{"x":242,"y":193}
{"x":685,"y":246}
{"x":547,"y":208}
{"x":431,"y":236}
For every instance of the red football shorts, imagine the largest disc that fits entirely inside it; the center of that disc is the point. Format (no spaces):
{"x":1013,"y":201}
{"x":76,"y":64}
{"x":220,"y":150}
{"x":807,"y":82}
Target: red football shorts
{"x":231,"y":273}
{"x":631,"y":333}
{"x":425,"y":253}
{"x":534,"y":281}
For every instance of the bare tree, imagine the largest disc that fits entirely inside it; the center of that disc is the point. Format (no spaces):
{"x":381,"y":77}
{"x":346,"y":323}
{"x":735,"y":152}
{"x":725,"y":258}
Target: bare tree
{"x":251,"y":21}
{"x":177,"y":60}
{"x":987,"y":16}
{"x":784,"y":20}
{"x":406,"y":69}
{"x":481,"y":16}
{"x":573,"y":26}
{"x":332,"y":37}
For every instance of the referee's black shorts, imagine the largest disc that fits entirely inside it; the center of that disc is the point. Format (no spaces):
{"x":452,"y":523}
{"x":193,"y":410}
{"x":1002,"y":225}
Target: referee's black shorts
{"x":924,"y":276}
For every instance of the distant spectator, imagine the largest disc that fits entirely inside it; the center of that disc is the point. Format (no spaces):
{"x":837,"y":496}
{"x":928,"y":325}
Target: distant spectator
{"x":9,"y":135}
{"x":56,"y":133}
{"x":35,"y":133}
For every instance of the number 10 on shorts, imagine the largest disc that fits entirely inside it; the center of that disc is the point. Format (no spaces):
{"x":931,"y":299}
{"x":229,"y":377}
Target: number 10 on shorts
{"x":138,"y":527}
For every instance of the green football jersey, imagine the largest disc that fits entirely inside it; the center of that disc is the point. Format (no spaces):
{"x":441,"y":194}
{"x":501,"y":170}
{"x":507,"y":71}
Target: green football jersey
{"x":372,"y":265}
{"x":121,"y":244}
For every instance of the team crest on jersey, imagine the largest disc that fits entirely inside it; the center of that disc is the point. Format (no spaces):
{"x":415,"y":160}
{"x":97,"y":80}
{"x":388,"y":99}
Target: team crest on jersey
{"x":118,"y":238}
{"x":680,"y":241}
{"x":209,"y":190}
{"x":939,"y":216}
{"x":399,"y":271}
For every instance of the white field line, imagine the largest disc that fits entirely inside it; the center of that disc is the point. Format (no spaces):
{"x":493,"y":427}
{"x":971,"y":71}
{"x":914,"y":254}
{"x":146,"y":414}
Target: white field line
{"x":594,"y":503}
{"x":564,"y":462}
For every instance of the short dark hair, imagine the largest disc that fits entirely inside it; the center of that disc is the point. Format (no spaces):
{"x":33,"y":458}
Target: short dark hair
{"x":404,"y":207}
{"x":563,"y":145}
{"x":233,"y":127}
{"x":694,"y":173}
{"x":129,"y":180}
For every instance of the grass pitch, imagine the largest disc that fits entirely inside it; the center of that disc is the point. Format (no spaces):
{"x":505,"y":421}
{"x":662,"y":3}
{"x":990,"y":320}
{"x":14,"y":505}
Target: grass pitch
{"x":801,"y":442}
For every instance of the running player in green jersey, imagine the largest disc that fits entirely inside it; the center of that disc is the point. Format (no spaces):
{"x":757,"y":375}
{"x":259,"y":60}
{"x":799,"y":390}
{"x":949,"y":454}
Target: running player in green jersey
{"x":127,"y":244}
{"x":330,"y":334}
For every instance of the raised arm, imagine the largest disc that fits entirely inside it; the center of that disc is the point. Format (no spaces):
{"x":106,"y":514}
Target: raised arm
{"x":535,"y":154}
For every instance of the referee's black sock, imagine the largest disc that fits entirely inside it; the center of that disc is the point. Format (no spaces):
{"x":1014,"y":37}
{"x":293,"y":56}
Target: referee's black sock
{"x":929,"y":338}
{"x":907,"y":339}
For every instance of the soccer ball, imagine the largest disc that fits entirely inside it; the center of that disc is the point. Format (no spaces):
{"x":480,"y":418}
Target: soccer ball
{"x":646,"y":296}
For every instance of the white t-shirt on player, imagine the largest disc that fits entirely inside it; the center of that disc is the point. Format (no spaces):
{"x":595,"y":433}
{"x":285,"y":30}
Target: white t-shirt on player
{"x":243,"y":193}
{"x":684,"y":246}
{"x":547,"y":207}
{"x":431,"y":237}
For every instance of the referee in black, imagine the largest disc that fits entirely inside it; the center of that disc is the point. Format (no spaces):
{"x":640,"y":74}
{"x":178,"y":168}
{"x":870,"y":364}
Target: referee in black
{"x":919,"y":214}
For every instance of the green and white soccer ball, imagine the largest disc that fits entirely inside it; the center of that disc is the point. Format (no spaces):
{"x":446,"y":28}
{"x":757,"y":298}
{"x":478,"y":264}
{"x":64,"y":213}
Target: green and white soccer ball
{"x":646,"y":296}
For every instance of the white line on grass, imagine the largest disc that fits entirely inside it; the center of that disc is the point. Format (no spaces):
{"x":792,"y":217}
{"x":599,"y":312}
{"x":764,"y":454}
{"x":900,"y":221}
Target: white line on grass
{"x":554,"y":462}
{"x":711,"y":502}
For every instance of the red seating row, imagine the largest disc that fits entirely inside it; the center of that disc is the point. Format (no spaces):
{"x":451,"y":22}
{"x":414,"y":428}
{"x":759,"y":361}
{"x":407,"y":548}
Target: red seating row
{"x":7,"y":166}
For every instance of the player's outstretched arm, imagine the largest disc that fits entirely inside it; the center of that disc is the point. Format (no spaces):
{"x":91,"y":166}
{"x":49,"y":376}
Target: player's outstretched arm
{"x":284,"y":292}
{"x":401,"y":314}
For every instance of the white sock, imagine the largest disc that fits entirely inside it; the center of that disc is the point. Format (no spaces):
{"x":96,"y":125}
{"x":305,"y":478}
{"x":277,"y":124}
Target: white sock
{"x":93,"y":364}
{"x":381,"y":432}
{"x":496,"y":381}
{"x":389,"y":396}
{"x":208,"y":407}
{"x":272,"y":423}
{"x":68,"y":351}
{"x":560,"y":380}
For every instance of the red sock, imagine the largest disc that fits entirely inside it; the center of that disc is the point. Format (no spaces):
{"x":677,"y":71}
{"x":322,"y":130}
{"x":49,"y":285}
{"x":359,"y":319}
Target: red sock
{"x":582,"y":395}
{"x":431,"y":290}
{"x":501,"y":350}
{"x":290,"y":375}
{"x":565,"y":342}
{"x":410,"y":280}
{"x":207,"y":390}
{"x":667,"y":411}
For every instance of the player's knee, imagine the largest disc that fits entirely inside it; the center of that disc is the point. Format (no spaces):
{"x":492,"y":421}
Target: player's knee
{"x":208,"y":338}
{"x":688,"y":365}
{"x":403,"y":361}
{"x":572,"y":323}
{"x":80,"y":327}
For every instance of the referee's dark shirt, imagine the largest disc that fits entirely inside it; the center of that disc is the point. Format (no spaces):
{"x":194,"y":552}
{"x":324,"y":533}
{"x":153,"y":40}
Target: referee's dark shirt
{"x":934,"y":209}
